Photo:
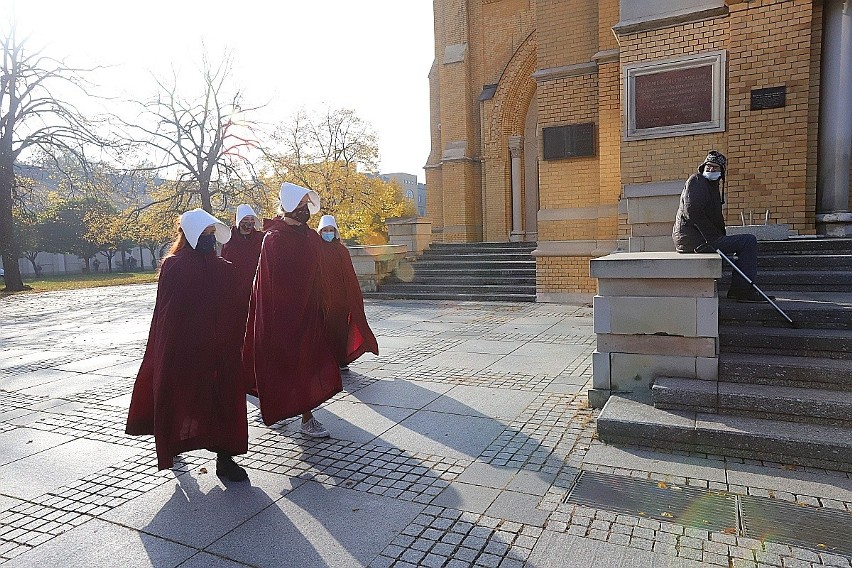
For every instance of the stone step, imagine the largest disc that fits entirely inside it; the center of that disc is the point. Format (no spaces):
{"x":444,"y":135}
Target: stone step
{"x":785,"y":370}
{"x":793,"y":404}
{"x":625,"y":421}
{"x":801,"y":262}
{"x":456,"y":257}
{"x":473,"y":264}
{"x":467,"y":280}
{"x":457,"y":296}
{"x":828,"y":343}
{"x":806,"y":246}
{"x":466,"y":288}
{"x":453,"y":269}
{"x":826,"y":310}
{"x":837,"y":279}
{"x":486,"y":245}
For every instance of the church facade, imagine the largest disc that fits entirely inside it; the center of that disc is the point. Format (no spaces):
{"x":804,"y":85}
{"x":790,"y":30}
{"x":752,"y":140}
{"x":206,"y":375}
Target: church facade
{"x":574,"y":123}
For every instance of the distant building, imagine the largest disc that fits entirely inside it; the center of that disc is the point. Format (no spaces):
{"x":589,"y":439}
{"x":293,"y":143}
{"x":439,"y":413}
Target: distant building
{"x":413,"y":191}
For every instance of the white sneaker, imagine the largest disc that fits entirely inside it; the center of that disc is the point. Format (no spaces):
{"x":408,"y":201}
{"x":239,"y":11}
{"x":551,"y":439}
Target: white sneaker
{"x":314,"y":429}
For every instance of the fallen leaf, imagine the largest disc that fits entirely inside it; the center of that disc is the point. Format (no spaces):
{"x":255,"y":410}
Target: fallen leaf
{"x":202,"y":471}
{"x":729,"y":530}
{"x":662,"y":485}
{"x":668,"y":515}
{"x":643,"y":513}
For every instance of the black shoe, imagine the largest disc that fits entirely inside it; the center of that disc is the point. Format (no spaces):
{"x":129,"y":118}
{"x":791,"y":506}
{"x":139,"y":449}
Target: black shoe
{"x":227,"y":468}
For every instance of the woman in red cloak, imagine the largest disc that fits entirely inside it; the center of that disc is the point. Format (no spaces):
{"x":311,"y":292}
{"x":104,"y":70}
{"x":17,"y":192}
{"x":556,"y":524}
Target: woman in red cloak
{"x":187,"y":392}
{"x":243,"y":250}
{"x":286,"y":355}
{"x":346,"y":324}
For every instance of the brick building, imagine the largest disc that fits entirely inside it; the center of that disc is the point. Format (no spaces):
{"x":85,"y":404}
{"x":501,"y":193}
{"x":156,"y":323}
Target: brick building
{"x":575,"y":123}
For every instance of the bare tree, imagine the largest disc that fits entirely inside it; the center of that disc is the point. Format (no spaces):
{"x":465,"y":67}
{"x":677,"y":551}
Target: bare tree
{"x":205,"y":137}
{"x":34,"y":117}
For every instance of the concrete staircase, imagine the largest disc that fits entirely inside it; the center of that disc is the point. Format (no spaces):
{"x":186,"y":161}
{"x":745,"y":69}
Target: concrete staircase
{"x":469,"y":271}
{"x":784,"y":394}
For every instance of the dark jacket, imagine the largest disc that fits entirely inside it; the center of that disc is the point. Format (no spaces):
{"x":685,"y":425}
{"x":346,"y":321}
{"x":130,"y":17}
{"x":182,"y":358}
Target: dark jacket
{"x":699,"y":216}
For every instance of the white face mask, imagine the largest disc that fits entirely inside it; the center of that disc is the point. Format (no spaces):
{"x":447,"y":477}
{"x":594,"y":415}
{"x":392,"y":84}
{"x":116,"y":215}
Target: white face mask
{"x":712,"y":176}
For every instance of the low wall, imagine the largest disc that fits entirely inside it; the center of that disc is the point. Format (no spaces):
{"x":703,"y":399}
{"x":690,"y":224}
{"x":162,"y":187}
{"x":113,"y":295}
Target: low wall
{"x":374,"y":263}
{"x":655,"y":314}
{"x":415,"y":233}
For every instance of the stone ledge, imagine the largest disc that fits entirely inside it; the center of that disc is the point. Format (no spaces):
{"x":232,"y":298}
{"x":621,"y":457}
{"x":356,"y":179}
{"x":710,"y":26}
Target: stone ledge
{"x":657,"y":265}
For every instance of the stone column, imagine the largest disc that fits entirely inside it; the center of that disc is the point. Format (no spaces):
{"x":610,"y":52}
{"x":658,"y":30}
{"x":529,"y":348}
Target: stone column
{"x":835,"y":139}
{"x":516,"y":147}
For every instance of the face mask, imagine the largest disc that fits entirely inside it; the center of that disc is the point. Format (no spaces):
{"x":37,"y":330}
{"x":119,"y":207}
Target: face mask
{"x":206,"y":244}
{"x":712,"y":176}
{"x":300,"y":214}
{"x":327,"y":237}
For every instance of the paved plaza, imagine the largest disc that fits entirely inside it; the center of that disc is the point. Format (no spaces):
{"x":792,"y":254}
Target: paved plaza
{"x":457,"y":446}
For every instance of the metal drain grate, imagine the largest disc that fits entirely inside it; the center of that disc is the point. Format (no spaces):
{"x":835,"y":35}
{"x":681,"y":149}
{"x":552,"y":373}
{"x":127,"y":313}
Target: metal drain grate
{"x":780,"y":521}
{"x":709,"y":510}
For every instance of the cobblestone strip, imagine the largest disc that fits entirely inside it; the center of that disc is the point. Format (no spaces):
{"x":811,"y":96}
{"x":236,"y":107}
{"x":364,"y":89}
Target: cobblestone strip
{"x":493,"y":379}
{"x":34,"y":522}
{"x":102,"y":423}
{"x":107,"y":391}
{"x":543,"y":436}
{"x":379,"y":470}
{"x":12,"y":400}
{"x":441,"y":537}
{"x":724,"y":548}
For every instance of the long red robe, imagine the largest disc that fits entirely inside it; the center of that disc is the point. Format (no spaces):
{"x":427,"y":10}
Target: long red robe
{"x":286,"y":355}
{"x":243,"y":251}
{"x":188,"y":393}
{"x":346,"y":324}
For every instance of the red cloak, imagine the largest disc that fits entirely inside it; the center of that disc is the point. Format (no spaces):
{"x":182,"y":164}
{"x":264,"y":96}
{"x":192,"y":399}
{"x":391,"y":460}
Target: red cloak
{"x":286,"y":356}
{"x":188,"y":393}
{"x":346,"y":324}
{"x":243,"y":251}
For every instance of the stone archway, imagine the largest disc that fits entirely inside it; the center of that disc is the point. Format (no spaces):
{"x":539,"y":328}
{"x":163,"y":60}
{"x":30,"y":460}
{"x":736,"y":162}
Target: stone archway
{"x":504,"y":123}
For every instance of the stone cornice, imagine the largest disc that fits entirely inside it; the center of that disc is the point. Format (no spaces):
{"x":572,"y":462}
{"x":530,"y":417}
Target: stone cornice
{"x":552,"y":73}
{"x":628,"y":27}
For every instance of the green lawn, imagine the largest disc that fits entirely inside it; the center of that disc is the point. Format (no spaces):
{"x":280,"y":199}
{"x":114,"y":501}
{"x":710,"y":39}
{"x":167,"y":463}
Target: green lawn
{"x":74,"y":281}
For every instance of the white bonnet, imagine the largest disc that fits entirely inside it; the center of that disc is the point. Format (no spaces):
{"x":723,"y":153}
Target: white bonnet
{"x":194,"y":222}
{"x":291,"y":194}
{"x":244,"y":210}
{"x":328,"y":221}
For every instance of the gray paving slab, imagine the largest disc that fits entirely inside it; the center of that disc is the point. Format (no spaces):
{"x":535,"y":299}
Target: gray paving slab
{"x":550,"y":366}
{"x":96,"y":363}
{"x":518,"y":507}
{"x":482,"y":401}
{"x":318,"y":526}
{"x":567,"y":551}
{"x":22,"y":442}
{"x":33,"y":378}
{"x":656,"y":462}
{"x":356,"y":421}
{"x":487,"y":475}
{"x":206,"y":560}
{"x":466,"y":497}
{"x":39,"y":473}
{"x":196,"y":509}
{"x":443,"y":434}
{"x":98,"y":544}
{"x":836,"y":487}
{"x":402,"y":394}
{"x":470,"y":361}
{"x":488,"y":346}
{"x":72,"y":384}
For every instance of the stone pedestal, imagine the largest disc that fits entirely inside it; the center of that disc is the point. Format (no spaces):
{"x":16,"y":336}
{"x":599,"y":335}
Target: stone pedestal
{"x":374,"y":263}
{"x":651,"y":210}
{"x":655,"y":314}
{"x":415,"y":233}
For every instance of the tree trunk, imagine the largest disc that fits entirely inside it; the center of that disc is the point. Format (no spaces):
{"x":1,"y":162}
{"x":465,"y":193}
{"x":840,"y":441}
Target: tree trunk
{"x":141,"y":260}
{"x":204,"y":191}
{"x":8,"y":240}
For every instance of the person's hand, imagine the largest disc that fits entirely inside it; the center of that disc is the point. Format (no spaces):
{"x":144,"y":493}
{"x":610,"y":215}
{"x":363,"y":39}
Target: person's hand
{"x":705,"y":248}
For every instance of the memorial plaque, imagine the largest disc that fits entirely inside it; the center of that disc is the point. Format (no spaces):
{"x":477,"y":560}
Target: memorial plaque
{"x":571,"y":141}
{"x":771,"y":97}
{"x":669,"y":98}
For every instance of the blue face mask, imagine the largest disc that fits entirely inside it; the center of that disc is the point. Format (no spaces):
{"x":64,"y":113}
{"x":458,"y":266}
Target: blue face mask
{"x":712,"y":176}
{"x":206,"y":244}
{"x":327,"y":237}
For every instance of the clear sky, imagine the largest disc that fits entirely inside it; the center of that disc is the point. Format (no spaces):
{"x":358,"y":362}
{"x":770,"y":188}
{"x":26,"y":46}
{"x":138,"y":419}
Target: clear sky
{"x":372,"y":56}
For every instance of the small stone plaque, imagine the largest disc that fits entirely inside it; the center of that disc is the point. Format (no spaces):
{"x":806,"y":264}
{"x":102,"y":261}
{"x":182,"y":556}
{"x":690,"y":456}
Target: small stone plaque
{"x":771,"y":97}
{"x":679,"y":96}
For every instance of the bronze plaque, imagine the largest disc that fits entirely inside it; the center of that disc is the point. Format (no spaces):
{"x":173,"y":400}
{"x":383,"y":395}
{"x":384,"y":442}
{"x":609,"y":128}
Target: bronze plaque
{"x":669,"y":98}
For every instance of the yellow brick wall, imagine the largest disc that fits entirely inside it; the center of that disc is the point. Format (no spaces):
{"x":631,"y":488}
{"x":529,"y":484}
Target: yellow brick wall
{"x":770,"y":45}
{"x":661,"y":159}
{"x":568,"y":32}
{"x":567,"y":274}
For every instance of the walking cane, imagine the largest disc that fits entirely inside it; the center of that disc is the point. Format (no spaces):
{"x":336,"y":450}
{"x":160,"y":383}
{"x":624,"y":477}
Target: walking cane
{"x":747,"y":279}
